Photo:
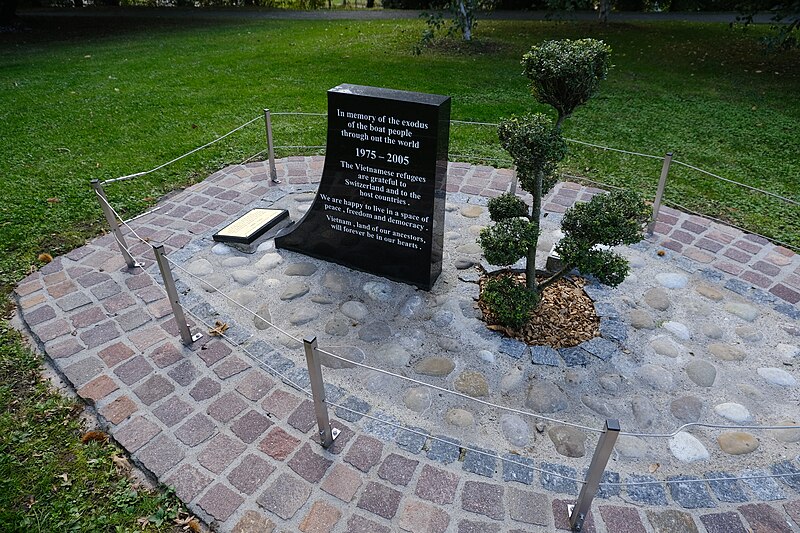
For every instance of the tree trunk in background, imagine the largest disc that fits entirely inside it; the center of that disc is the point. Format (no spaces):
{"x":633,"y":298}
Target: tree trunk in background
{"x":370,"y":3}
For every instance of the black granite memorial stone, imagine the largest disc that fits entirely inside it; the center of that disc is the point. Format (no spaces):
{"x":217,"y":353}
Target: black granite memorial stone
{"x":380,"y":203}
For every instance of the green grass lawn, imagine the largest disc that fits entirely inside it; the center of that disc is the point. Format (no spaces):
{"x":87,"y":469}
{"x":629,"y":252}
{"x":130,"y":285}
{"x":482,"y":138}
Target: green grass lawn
{"x":79,"y":103}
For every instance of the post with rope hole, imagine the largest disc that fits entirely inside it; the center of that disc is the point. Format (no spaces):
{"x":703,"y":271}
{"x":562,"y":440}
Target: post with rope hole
{"x":595,"y":474}
{"x":273,"y":172}
{"x":112,"y":222}
{"x":326,"y":434}
{"x":172,"y":294}
{"x":662,"y":183}
{"x":514,"y":181}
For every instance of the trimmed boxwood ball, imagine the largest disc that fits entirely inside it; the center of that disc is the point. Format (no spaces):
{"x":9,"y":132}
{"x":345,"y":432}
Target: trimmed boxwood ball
{"x":510,"y":302}
{"x":508,"y":241}
{"x":506,"y":206}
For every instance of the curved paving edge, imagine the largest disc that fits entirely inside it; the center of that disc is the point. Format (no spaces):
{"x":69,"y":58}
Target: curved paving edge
{"x":238,"y":445}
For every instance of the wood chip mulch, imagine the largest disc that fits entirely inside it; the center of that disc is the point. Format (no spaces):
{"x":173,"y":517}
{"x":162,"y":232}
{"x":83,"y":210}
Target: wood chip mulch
{"x":564,"y":318}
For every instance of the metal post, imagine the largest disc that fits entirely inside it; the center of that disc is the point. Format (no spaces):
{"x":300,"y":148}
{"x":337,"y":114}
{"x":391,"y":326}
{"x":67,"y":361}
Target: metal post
{"x":326,"y":434}
{"x":172,"y":294}
{"x":112,"y":222}
{"x":662,"y":182}
{"x":594,"y":475}
{"x":273,"y":172}
{"x":514,"y":181}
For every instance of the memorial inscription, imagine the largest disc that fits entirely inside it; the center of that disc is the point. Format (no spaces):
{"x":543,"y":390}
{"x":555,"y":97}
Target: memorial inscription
{"x":380,"y":203}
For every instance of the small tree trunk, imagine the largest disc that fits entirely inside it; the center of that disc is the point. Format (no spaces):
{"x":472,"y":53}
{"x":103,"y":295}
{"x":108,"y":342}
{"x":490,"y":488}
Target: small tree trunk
{"x":555,"y":277}
{"x":466,"y":21}
{"x":536,"y":215}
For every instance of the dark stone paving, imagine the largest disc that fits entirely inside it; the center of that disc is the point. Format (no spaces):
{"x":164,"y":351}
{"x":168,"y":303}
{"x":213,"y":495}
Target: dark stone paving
{"x":240,"y":447}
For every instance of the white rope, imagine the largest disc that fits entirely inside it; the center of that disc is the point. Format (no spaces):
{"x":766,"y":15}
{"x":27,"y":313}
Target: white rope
{"x":301,"y":114}
{"x":702,"y":425}
{"x":474,"y":123}
{"x":445,"y":390}
{"x":457,"y":445}
{"x":144,"y":173}
{"x":614,"y":149}
{"x":696,"y":480}
{"x":461,"y":395}
{"x":581,"y":178}
{"x":750,"y":187}
{"x":225,"y":296}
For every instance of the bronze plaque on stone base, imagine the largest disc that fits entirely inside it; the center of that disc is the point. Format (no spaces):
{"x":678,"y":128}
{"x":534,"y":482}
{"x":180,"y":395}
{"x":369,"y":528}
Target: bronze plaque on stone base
{"x":250,"y":226}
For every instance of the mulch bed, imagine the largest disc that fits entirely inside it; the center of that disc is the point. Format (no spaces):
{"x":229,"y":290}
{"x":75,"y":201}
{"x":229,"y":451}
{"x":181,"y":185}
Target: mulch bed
{"x":564,"y":318}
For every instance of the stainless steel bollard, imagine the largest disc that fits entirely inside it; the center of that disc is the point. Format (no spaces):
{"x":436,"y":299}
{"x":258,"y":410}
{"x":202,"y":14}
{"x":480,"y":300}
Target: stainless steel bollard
{"x":598,"y":465}
{"x":326,"y":434}
{"x":112,"y":222}
{"x":273,"y":172}
{"x":662,"y":183}
{"x":172,"y":294}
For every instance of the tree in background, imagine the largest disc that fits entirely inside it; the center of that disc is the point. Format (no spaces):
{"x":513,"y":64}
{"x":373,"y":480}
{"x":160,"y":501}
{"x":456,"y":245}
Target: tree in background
{"x":785,"y":20}
{"x":462,"y":16}
{"x":564,"y":74}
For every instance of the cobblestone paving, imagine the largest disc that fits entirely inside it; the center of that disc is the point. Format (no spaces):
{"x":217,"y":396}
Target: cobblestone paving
{"x":239,"y":446}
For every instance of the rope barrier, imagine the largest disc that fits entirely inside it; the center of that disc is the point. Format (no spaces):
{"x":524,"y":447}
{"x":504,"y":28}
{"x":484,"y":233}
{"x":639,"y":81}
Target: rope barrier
{"x":443,"y":389}
{"x":159,"y":167}
{"x":459,"y":446}
{"x":649,"y":156}
{"x":750,"y":187}
{"x":697,"y":480}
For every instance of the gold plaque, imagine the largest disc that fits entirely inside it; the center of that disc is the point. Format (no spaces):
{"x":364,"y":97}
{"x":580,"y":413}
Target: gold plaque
{"x":250,"y":226}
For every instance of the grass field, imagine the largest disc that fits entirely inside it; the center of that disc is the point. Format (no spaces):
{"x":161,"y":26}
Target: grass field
{"x":78,"y":102}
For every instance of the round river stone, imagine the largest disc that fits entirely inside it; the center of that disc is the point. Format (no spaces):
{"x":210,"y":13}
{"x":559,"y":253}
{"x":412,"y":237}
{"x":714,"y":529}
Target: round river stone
{"x":375,"y":331}
{"x":726,"y":352}
{"x":737,"y":443}
{"x":678,"y":330}
{"x":672,"y":280}
{"x":657,"y":298}
{"x":709,"y":292}
{"x":641,"y":319}
{"x":777,"y":376}
{"x":515,"y":430}
{"x":472,"y":384}
{"x":656,"y":376}
{"x":434,"y":366}
{"x":471,"y":211}
{"x":787,"y":435}
{"x":294,"y":290}
{"x":262,"y":320}
{"x":733,"y":411}
{"x":269,"y":261}
{"x":665,"y":346}
{"x":568,"y":441}
{"x":459,"y":417}
{"x":687,"y":408}
{"x":300,"y":269}
{"x":701,"y":373}
{"x":687,"y":448}
{"x":545,"y":397}
{"x":743,"y":311}
{"x":418,"y":399}
{"x":355,"y":310}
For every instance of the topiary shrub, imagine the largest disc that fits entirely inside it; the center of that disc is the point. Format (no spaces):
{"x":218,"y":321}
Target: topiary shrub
{"x":564,"y":74}
{"x":510,"y":302}
{"x":506,"y":206}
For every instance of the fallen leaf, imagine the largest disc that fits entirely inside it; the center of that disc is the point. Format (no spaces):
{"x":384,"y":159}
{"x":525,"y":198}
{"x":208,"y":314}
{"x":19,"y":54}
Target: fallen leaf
{"x":45,"y":257}
{"x":121,"y":463}
{"x":653,"y":467}
{"x":53,"y":200}
{"x":219,"y":329}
